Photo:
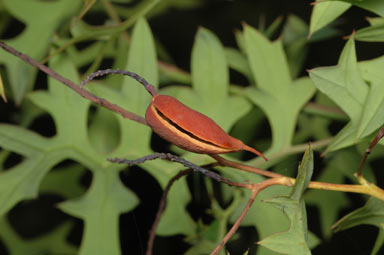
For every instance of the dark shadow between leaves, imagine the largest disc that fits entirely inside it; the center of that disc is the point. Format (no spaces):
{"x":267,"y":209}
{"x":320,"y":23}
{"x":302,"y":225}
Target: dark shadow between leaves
{"x":44,"y":125}
{"x":11,"y":160}
{"x":135,"y":225}
{"x":33,"y":218}
{"x":13,"y":29}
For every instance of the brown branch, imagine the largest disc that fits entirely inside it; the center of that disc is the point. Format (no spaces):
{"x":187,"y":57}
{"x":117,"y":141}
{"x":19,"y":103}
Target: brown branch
{"x":225,"y":162}
{"x":377,"y":138}
{"x":237,"y":223}
{"x":82,"y":92}
{"x":256,"y":188}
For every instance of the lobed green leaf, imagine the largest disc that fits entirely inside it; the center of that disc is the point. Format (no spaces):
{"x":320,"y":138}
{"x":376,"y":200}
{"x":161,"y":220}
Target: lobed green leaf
{"x":295,"y":239}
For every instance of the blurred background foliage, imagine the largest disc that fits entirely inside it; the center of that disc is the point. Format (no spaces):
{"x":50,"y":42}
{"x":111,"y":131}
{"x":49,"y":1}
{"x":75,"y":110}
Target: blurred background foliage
{"x":242,"y":62}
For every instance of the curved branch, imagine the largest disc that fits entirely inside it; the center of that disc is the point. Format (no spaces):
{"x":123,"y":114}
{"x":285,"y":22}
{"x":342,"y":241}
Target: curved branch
{"x":150,"y":88}
{"x":377,"y":138}
{"x":82,"y":92}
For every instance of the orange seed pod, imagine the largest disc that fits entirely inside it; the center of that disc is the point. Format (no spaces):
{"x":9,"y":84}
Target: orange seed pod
{"x":189,"y":129}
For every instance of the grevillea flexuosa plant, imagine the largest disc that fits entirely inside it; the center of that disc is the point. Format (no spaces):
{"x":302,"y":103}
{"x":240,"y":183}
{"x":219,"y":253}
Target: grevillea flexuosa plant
{"x":181,"y":125}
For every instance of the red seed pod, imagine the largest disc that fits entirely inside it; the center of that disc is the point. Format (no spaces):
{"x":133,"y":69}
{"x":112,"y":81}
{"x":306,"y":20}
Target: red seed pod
{"x":189,"y":129}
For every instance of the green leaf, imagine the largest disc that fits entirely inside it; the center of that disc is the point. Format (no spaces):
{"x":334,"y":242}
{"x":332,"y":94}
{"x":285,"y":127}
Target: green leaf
{"x":375,"y":21}
{"x":22,"y":181}
{"x":273,"y":27}
{"x":371,"y":69}
{"x":324,"y":13}
{"x":52,"y":183}
{"x":329,"y":203}
{"x":375,"y":6}
{"x":295,"y":43}
{"x":100,"y":209}
{"x":372,"y":213}
{"x":304,"y":175}
{"x":274,"y":93}
{"x":2,"y":91}
{"x":373,"y":33}
{"x":379,"y":241}
{"x":295,"y":239}
{"x":363,"y":104}
{"x":54,"y":242}
{"x":38,"y":33}
{"x":205,"y":240}
{"x":207,"y":55}
{"x":210,"y":83}
{"x":372,"y":116}
{"x":104,"y":142}
{"x":238,"y":61}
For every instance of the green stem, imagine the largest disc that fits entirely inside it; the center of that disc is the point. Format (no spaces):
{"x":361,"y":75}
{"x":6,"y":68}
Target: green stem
{"x":142,"y":9}
{"x":294,"y":149}
{"x":329,"y":112}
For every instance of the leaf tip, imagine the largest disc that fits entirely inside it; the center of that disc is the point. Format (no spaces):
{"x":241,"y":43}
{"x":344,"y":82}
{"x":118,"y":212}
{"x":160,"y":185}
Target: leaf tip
{"x":314,"y":3}
{"x":3,"y":96}
{"x":351,"y":36}
{"x":323,"y":154}
{"x":244,"y":24}
{"x":2,"y":92}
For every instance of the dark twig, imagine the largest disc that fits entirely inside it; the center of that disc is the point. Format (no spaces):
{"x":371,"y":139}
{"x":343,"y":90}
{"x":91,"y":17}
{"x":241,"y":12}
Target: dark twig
{"x":160,"y":210}
{"x":150,"y":88}
{"x":191,"y":166}
{"x":377,"y":138}
{"x":234,"y":228}
{"x":173,"y":158}
{"x":256,"y":188}
{"x":163,"y":200}
{"x":82,"y":92}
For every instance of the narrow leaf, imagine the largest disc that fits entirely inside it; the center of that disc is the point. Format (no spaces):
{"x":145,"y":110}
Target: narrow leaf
{"x":329,"y":203}
{"x":238,"y":61}
{"x":304,"y":175}
{"x":373,"y":33}
{"x":371,"y":213}
{"x":295,"y":239}
{"x":208,"y":55}
{"x":375,"y":6}
{"x":324,"y":13}
{"x":2,"y":91}
{"x":100,"y":209}
{"x":274,"y":93}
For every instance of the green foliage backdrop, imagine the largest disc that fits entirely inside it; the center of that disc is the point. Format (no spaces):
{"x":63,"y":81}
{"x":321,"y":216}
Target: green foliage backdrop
{"x":297,"y":106}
